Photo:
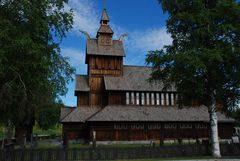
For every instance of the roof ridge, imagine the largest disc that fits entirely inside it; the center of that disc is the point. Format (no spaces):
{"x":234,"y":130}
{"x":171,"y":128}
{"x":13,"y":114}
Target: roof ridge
{"x":68,"y":114}
{"x":95,"y":113}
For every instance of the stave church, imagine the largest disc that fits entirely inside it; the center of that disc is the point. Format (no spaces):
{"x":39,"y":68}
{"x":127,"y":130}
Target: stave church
{"x":117,"y":103}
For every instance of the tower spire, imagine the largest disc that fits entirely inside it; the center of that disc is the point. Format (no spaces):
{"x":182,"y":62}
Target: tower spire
{"x":105,"y":4}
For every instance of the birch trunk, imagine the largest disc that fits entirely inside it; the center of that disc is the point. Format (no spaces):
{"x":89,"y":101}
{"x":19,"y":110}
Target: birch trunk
{"x":214,"y":129}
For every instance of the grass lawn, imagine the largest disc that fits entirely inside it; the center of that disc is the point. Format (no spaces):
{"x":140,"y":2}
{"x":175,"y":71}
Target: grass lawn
{"x":54,"y":131}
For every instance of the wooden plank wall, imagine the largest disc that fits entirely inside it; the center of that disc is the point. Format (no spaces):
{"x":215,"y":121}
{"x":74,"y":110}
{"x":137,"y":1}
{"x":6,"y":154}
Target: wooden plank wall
{"x":105,"y":65}
{"x":82,"y":99}
{"x":97,"y":93}
{"x":116,"y":98}
{"x":108,"y":133}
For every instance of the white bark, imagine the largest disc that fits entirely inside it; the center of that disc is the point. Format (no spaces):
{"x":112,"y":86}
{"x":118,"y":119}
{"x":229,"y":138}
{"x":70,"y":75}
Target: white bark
{"x":214,"y":129}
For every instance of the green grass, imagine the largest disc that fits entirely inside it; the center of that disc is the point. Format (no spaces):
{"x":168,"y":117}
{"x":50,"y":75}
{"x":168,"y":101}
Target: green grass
{"x":54,"y":131}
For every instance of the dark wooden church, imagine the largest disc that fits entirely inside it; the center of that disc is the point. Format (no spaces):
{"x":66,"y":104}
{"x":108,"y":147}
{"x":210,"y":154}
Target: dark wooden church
{"x":116,"y":102}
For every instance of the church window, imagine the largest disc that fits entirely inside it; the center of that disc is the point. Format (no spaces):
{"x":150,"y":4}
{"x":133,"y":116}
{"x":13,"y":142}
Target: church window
{"x":154,"y":126}
{"x":185,"y":126}
{"x":172,"y":99}
{"x":167,"y":99}
{"x":132,"y":98}
{"x":201,"y":126}
{"x":137,"y":98}
{"x":120,"y":126}
{"x":152,"y":99}
{"x":127,"y":98}
{"x":170,"y":126}
{"x":142,"y":99}
{"x":157,"y":99}
{"x":137,"y":126}
{"x":162,"y":99}
{"x":147,"y":96}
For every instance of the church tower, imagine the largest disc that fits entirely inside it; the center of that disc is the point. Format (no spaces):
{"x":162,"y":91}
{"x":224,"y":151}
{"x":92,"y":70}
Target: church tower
{"x":104,"y":56}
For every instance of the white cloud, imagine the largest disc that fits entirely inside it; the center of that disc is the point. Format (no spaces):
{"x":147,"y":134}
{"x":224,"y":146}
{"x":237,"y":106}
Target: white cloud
{"x":85,"y":16}
{"x":76,"y":58}
{"x":75,"y":55}
{"x":150,"y":39}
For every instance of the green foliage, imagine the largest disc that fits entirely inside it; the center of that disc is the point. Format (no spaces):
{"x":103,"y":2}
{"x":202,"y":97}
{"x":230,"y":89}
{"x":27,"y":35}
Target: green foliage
{"x":48,"y":116}
{"x":33,"y":73}
{"x":203,"y":60}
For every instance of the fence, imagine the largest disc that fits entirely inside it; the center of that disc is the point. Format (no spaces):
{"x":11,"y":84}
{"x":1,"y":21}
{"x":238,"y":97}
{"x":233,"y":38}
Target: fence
{"x":110,"y":153}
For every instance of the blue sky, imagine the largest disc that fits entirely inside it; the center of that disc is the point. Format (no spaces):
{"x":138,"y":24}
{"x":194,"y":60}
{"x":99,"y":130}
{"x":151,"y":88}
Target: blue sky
{"x":142,"y":20}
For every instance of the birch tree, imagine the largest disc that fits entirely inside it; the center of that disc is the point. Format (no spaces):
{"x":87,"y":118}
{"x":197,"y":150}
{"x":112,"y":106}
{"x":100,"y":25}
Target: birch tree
{"x":203,"y":59}
{"x":33,"y":73}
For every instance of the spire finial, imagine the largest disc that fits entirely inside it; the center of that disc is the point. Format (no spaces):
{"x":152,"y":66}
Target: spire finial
{"x":105,"y":4}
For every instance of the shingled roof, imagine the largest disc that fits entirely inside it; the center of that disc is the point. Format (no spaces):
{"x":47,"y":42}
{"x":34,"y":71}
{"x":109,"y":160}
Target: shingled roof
{"x":135,"y":78}
{"x":80,"y":114}
{"x":116,"y":49}
{"x":82,"y":83}
{"x":146,"y":113}
{"x":65,"y":111}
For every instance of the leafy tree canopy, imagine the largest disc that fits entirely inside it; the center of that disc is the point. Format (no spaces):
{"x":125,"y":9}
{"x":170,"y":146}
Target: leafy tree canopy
{"x":33,"y":73}
{"x":203,"y":59}
{"x":48,"y":116}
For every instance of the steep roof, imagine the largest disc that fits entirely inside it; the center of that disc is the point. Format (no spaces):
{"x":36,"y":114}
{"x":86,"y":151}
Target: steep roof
{"x":105,"y":29}
{"x":116,"y":49}
{"x":135,"y":78}
{"x":82,"y":83}
{"x":104,"y":16}
{"x":80,"y":114}
{"x":143,"y":113}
